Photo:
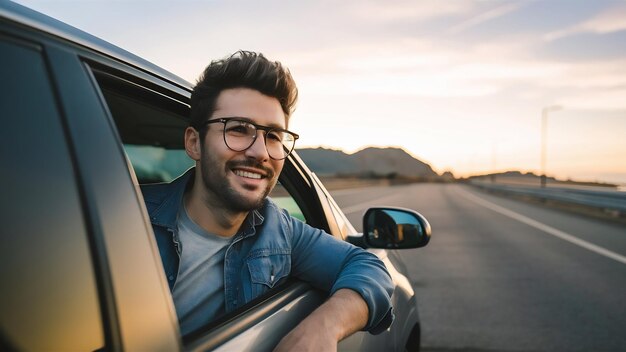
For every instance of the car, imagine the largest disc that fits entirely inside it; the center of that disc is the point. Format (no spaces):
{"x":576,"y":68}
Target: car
{"x":84,"y":125}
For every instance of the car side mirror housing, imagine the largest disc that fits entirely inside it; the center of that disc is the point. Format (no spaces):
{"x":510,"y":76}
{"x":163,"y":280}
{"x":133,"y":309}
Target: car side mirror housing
{"x":395,"y":228}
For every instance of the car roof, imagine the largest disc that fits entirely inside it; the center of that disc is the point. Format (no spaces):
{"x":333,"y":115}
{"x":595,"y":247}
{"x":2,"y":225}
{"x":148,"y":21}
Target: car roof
{"x":31,"y":18}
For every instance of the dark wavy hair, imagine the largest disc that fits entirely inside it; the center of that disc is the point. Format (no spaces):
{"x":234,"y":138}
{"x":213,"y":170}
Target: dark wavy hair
{"x":243,"y":69}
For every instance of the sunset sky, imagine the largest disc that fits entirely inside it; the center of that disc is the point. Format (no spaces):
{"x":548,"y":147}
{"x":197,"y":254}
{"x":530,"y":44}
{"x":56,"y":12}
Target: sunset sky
{"x":458,"y":84}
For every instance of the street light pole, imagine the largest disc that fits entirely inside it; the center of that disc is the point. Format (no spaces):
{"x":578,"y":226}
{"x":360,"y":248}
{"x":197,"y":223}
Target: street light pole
{"x":544,"y":139}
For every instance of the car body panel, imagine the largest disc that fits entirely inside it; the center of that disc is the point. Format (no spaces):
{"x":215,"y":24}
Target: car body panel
{"x":266,"y":333}
{"x":37,"y":172}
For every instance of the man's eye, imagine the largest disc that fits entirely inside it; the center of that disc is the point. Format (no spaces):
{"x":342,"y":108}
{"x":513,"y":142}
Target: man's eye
{"x":275,"y":136}
{"x":240,"y":129}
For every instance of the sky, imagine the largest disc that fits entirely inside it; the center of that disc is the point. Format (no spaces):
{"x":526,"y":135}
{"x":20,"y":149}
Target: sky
{"x":458,"y":84}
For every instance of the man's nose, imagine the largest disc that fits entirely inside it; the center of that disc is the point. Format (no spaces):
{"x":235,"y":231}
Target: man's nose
{"x":258,"y":150}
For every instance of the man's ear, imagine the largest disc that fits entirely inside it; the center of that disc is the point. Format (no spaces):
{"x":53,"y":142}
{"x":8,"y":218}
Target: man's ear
{"x":192,"y":143}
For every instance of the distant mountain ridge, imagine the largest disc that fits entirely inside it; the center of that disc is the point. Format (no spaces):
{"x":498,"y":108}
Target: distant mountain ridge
{"x":366,"y":162}
{"x":532,"y":178}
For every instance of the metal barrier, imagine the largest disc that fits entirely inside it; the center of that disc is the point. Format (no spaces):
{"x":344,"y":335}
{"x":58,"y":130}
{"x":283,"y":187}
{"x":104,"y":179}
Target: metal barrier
{"x":614,"y":201}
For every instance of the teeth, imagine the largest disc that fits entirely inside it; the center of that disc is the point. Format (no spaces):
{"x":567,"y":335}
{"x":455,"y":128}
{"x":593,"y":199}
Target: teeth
{"x":247,"y":174}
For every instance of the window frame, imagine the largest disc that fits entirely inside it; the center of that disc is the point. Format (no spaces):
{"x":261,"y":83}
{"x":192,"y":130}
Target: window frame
{"x":99,"y":159}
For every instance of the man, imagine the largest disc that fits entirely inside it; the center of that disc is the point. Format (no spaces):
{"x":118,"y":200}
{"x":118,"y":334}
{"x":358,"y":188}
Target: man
{"x":223,"y":242}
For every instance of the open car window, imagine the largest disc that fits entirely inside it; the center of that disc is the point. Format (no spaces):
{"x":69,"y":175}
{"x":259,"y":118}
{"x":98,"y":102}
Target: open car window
{"x":151,"y":128}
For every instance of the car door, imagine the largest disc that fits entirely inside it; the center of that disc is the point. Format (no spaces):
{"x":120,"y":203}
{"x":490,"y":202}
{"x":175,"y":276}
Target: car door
{"x":47,"y":294}
{"x":77,"y":258}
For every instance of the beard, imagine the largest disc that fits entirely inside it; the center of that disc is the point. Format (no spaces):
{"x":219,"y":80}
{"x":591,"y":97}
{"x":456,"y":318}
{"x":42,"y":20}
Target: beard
{"x":216,"y":182}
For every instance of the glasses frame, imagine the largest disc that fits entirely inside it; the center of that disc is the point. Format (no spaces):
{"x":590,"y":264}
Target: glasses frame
{"x":257,"y":127}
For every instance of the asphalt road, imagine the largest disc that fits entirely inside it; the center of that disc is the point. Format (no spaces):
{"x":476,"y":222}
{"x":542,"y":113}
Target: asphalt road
{"x":503,"y":275}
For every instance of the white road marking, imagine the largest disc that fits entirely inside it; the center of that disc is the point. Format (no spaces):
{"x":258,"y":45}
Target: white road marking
{"x":363,"y":206}
{"x":545,"y":228}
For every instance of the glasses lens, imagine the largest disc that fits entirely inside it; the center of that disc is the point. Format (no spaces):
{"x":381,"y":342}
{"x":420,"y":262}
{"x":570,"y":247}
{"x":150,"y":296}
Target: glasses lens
{"x":279,"y":143}
{"x":239,"y":135}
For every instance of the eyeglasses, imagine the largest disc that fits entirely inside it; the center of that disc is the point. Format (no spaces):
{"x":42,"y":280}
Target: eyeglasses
{"x":240,"y":134}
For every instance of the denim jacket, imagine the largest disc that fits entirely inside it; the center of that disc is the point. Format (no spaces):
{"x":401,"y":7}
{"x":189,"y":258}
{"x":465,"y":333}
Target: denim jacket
{"x":271,"y":246}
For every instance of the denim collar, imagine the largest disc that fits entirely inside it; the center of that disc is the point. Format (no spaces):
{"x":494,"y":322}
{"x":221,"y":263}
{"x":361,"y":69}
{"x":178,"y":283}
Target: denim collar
{"x":254,"y":219}
{"x":166,"y":213}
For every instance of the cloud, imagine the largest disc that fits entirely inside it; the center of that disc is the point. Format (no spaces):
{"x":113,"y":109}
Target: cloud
{"x":608,"y":21}
{"x":485,"y":16}
{"x":605,"y":100}
{"x":420,"y":69}
{"x":392,"y":11}
{"x":503,"y":70}
{"x":607,"y":75}
{"x":395,"y":63}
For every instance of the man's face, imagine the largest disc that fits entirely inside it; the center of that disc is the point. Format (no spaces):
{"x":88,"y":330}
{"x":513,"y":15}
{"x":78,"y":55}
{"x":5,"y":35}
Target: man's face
{"x":240,"y":181}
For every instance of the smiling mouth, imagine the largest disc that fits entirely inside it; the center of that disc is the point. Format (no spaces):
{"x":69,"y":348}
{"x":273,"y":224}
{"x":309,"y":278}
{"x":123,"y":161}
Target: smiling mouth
{"x":248,"y":174}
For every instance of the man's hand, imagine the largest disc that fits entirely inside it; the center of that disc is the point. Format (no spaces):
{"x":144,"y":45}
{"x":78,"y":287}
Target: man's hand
{"x":343,"y":314}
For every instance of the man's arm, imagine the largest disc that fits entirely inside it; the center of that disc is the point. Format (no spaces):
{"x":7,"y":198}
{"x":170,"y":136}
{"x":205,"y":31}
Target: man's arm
{"x":330,"y":264}
{"x":343,"y":314}
{"x":360,"y":289}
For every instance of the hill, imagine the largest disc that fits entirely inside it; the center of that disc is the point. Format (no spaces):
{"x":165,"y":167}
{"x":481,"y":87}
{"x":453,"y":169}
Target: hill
{"x":529,"y":178}
{"x":377,"y":162}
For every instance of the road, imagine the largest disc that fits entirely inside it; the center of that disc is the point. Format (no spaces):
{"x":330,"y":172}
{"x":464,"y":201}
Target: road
{"x":503,"y":275}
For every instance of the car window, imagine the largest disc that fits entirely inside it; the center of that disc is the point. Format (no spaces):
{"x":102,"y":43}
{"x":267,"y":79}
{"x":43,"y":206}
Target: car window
{"x":151,"y":127}
{"x":49,"y":293}
{"x":285,"y":200}
{"x":153,"y":164}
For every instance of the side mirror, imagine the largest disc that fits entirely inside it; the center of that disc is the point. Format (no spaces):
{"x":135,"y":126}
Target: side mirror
{"x":395,"y":228}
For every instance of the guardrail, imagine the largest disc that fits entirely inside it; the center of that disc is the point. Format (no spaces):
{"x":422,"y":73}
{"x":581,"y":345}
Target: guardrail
{"x":608,"y":201}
